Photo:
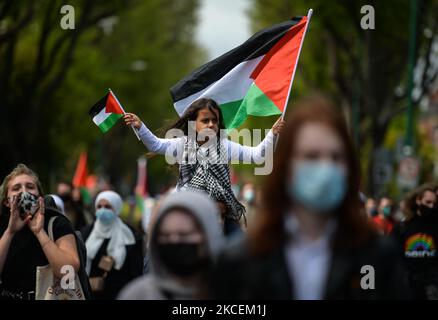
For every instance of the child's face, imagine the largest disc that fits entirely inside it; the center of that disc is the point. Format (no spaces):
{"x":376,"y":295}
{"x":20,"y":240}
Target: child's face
{"x":207,"y":119}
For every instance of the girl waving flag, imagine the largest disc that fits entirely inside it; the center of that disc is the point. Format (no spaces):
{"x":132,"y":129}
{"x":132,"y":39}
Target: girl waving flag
{"x":254,"y":78}
{"x":204,"y":165}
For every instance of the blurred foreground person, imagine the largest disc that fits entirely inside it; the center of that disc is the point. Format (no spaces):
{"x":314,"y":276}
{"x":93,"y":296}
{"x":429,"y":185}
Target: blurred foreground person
{"x":114,"y":253}
{"x":25,"y":243}
{"x":185,"y":240}
{"x":418,"y":239}
{"x":309,"y":240}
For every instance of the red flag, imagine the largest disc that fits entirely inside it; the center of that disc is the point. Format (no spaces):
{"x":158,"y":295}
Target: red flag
{"x":80,"y":177}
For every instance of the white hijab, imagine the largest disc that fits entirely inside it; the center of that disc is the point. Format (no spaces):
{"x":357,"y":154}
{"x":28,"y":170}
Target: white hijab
{"x":119,"y":233}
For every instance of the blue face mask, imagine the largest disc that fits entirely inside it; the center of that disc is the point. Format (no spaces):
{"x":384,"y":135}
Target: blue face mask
{"x":319,"y":186}
{"x":248,"y":195}
{"x":106,"y":216}
{"x":387,"y":210}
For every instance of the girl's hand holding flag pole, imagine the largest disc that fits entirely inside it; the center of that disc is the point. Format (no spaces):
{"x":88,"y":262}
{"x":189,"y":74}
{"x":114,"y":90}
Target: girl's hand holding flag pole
{"x":132,"y":120}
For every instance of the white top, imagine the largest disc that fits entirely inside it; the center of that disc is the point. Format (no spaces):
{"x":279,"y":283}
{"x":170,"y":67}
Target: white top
{"x":236,"y":151}
{"x":308,"y":261}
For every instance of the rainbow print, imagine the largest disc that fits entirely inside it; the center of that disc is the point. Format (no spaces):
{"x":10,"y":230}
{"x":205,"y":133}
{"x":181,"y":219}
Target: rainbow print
{"x":420,"y":245}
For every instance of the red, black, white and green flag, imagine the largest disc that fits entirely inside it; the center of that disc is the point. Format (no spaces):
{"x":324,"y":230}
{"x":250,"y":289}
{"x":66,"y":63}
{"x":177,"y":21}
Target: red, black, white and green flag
{"x":106,"y":112}
{"x":252,"y":79}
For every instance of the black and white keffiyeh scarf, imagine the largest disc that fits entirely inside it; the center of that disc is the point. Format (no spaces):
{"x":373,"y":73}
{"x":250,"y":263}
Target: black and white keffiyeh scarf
{"x":207,"y":168}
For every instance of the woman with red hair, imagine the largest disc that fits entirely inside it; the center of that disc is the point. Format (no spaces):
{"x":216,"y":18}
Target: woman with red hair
{"x":309,"y":239}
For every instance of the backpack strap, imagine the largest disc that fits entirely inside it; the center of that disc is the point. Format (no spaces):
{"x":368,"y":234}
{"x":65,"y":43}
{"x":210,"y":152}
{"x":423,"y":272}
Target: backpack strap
{"x":50,"y":228}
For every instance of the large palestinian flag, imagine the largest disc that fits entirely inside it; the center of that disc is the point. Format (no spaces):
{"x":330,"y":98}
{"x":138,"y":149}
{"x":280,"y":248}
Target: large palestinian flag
{"x":252,"y":79}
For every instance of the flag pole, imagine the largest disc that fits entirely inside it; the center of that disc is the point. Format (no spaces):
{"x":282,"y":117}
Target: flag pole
{"x":309,"y":16}
{"x":133,"y":129}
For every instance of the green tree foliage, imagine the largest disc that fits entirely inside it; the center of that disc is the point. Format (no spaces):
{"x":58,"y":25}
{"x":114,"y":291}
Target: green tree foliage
{"x":354,"y":65}
{"x":51,"y":77}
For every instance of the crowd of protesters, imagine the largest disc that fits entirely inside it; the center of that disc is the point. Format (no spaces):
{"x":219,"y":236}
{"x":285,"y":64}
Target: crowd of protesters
{"x":305,"y":234}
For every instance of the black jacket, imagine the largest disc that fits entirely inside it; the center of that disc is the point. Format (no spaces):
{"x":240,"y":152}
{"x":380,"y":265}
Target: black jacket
{"x":241,"y":276}
{"x":417,"y":240}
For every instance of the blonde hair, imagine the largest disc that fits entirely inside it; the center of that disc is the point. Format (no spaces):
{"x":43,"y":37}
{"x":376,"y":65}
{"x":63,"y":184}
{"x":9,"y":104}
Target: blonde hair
{"x":17,"y":171}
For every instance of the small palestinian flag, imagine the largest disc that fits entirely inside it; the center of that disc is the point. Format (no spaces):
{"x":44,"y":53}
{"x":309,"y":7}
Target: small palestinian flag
{"x":106,"y":112}
{"x":252,"y":79}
